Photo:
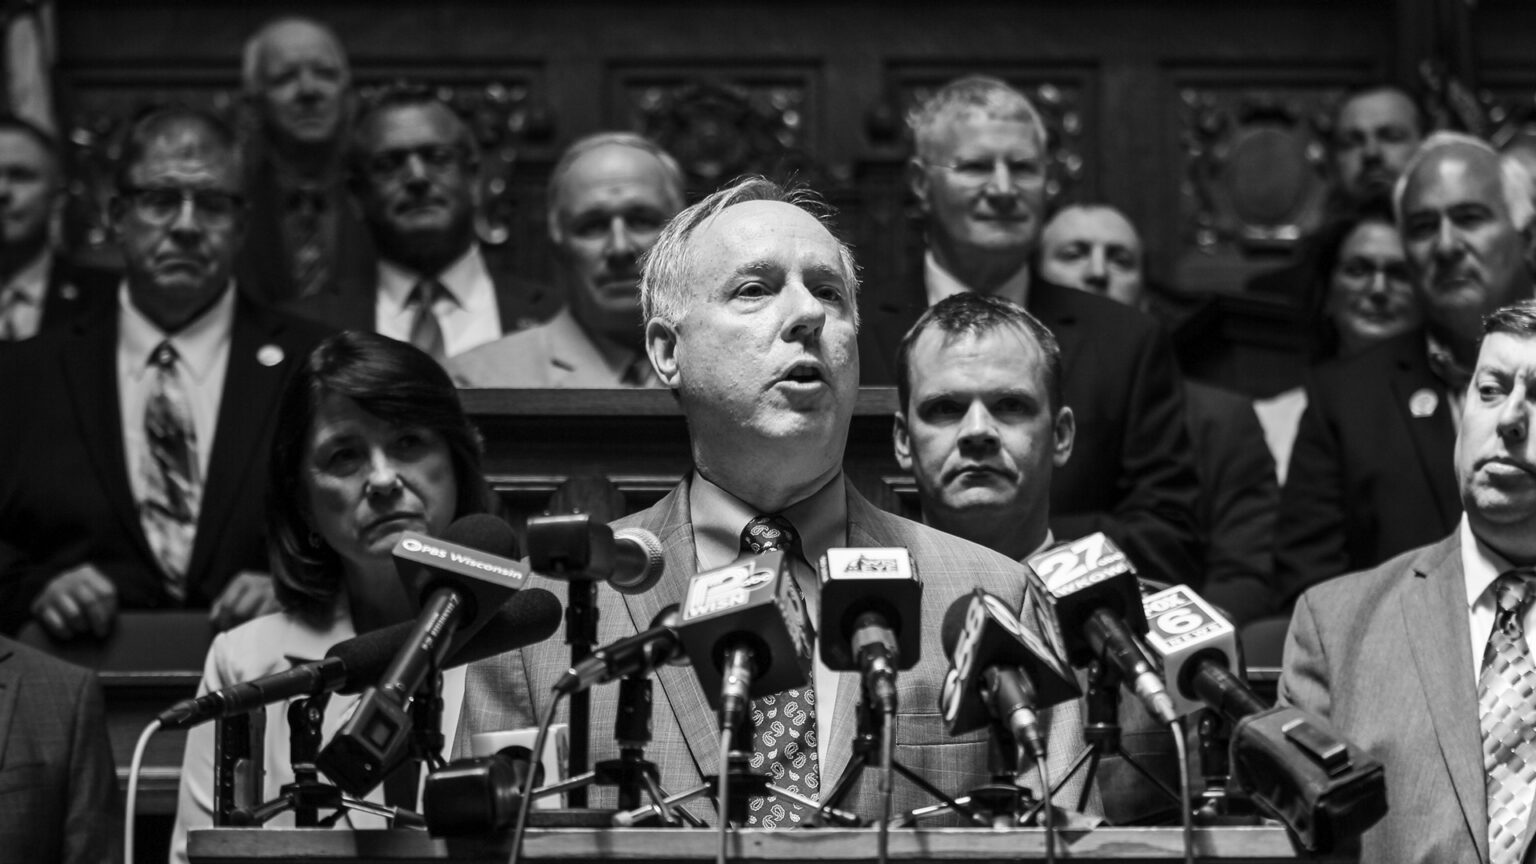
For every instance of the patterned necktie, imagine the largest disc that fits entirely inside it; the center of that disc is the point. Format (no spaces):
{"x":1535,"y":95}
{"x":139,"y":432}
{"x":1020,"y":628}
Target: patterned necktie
{"x":307,"y":264}
{"x":783,"y":725}
{"x":1506,"y":688}
{"x":426,"y":333}
{"x":172,"y":487}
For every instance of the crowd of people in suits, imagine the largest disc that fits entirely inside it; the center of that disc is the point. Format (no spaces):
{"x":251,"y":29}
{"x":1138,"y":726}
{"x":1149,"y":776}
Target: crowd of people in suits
{"x":246,"y":416}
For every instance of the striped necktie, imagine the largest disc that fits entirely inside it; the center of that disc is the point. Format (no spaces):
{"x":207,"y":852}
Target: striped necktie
{"x":784,"y":724}
{"x":172,"y":487}
{"x":1506,"y":696}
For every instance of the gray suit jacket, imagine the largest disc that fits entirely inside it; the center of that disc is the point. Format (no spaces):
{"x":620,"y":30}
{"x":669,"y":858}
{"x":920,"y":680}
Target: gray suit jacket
{"x":1385,"y":656}
{"x":511,"y":690}
{"x":58,"y":787}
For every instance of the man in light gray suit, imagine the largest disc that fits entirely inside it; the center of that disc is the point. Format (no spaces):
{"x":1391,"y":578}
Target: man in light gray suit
{"x":751,"y":318}
{"x":1425,"y":661}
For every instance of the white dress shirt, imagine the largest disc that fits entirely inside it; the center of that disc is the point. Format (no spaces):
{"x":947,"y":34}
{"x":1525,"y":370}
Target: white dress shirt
{"x":203,"y":358}
{"x":1480,"y":566}
{"x":468,"y":315}
{"x":940,"y":283}
{"x":30,"y":285}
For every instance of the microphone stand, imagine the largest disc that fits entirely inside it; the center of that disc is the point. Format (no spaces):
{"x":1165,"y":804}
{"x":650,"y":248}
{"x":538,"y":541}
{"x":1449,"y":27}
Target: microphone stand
{"x":427,"y":722}
{"x":1102,"y":733}
{"x":866,"y":751}
{"x":633,"y":774}
{"x":306,"y":796}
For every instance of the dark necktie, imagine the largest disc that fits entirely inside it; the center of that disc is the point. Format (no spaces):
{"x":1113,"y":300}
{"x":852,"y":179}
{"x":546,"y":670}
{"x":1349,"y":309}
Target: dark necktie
{"x":783,"y":725}
{"x":307,"y":260}
{"x":1506,"y":697}
{"x":426,"y":333}
{"x":172,"y":487}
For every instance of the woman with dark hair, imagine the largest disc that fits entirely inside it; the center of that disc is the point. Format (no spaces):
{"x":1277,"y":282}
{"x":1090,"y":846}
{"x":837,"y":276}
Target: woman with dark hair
{"x":1362,"y":294}
{"x":371,"y":441}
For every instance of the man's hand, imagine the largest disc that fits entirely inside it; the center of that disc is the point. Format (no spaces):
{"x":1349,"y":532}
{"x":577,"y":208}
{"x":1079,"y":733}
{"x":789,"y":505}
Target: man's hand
{"x":77,"y":601}
{"x":247,"y":595}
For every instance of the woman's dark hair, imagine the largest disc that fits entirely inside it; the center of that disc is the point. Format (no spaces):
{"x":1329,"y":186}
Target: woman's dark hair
{"x":1326,"y":247}
{"x":393,"y":381}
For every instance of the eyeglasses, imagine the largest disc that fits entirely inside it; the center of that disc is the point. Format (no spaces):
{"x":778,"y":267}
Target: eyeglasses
{"x":976,"y":172}
{"x":435,"y":158}
{"x":160,"y":205}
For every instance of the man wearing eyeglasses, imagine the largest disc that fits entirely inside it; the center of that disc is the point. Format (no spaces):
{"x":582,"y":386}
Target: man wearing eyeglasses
{"x":413,"y":169}
{"x":979,"y":175}
{"x":127,"y":479}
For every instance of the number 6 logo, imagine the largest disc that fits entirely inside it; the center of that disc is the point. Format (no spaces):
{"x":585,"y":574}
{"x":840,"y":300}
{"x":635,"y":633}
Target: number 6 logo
{"x":1178,"y":621}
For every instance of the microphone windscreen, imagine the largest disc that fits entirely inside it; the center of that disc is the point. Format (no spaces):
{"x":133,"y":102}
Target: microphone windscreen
{"x":639,"y":561}
{"x":484,"y":532}
{"x":1084,"y":576}
{"x":530,"y":617}
{"x":978,"y":633}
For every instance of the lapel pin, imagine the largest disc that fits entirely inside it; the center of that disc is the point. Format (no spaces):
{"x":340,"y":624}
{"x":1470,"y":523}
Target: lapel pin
{"x":69,"y":292}
{"x":269,"y":355}
{"x":1423,"y":402}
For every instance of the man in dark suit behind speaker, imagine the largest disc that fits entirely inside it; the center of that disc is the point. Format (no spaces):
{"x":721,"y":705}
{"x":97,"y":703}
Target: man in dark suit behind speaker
{"x":979,"y":175}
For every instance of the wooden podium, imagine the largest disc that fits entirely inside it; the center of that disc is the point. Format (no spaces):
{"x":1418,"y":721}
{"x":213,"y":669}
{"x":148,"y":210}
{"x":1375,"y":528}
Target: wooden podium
{"x":750,"y":846}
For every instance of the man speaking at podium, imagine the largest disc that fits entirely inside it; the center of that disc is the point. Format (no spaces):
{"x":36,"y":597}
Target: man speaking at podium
{"x":751,"y":315}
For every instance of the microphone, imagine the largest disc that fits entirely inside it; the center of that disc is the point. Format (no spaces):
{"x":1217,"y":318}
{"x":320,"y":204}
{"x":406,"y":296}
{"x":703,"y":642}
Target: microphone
{"x":473,"y":560}
{"x":574,"y":548}
{"x":463,"y":585}
{"x":870,"y":603}
{"x":632,"y":655}
{"x":1289,"y":762}
{"x":529,"y":617}
{"x":999,"y":671}
{"x":1099,"y":605}
{"x":745,"y":630}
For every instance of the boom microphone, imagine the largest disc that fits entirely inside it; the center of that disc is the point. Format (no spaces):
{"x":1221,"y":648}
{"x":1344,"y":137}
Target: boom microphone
{"x":1099,"y":605}
{"x":657,"y":646}
{"x":870,"y":602}
{"x":999,"y":671}
{"x":746,"y":633}
{"x":349,"y":666}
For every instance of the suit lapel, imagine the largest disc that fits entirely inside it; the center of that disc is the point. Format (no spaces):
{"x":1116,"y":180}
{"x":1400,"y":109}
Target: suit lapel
{"x":10,"y":681}
{"x":1442,"y":656}
{"x":680,"y":684}
{"x":1044,"y":302}
{"x":90,"y":367}
{"x":245,"y":410}
{"x":1434,"y":437}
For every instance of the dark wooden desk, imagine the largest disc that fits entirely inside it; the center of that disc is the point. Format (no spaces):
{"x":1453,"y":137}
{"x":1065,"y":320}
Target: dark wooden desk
{"x":752,"y":846}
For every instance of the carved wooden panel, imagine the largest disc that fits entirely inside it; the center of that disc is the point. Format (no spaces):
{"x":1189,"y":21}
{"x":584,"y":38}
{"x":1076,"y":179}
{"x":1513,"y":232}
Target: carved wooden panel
{"x":723,"y":121}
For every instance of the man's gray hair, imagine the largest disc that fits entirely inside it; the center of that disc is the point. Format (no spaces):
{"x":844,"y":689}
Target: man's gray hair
{"x":990,"y":96}
{"x":671,"y":171}
{"x":250,"y":58}
{"x":665,"y":284}
{"x":1514,"y":181}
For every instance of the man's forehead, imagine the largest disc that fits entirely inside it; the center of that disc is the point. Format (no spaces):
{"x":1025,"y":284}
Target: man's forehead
{"x":294,"y":41}
{"x":1006,"y":348}
{"x":412,"y":125}
{"x":613,"y":170}
{"x":969,"y":127}
{"x":1091,"y":224}
{"x":1375,"y":108}
{"x":742,"y":233}
{"x":185,"y":151}
{"x":21,"y":147}
{"x":1507,"y":352}
{"x":1456,"y":170}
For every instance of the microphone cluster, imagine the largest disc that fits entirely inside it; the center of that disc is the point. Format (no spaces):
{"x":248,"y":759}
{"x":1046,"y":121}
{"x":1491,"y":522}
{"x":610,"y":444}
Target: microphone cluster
{"x":745,"y":631}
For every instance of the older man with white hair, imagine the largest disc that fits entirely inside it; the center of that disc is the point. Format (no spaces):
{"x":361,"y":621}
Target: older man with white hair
{"x":1371,"y":474}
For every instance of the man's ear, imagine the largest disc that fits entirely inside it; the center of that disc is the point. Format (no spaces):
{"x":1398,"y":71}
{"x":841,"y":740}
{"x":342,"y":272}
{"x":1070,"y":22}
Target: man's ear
{"x":661,"y":347}
{"x":901,"y":441}
{"x":918,"y":182}
{"x":1063,"y":431}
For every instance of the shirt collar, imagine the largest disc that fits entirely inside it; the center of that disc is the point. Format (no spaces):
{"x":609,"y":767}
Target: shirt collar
{"x":32,"y":279}
{"x":462,"y":278}
{"x":1443,"y":363}
{"x":821,"y":520}
{"x":941,"y":283}
{"x":198,"y":344}
{"x":1479,"y":564}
